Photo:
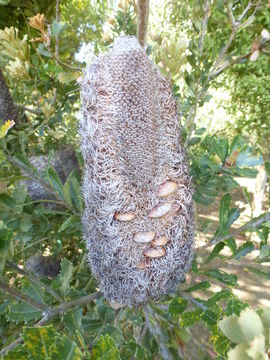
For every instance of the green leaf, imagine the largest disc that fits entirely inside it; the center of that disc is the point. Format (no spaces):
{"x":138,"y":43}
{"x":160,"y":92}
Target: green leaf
{"x":233,"y":215}
{"x":19,"y":353}
{"x":23,"y":312}
{"x":67,"y":193}
{"x":257,"y":348}
{"x":203,"y":285}
{"x":43,"y":51}
{"x":66,"y":349}
{"x":189,"y":318}
{"x":193,"y":141}
{"x":210,"y":316}
{"x":67,"y":77}
{"x":219,"y":296}
{"x":5,"y":127}
{"x":7,"y":200}
{"x":251,"y":324}
{"x":239,"y":353}
{"x":6,"y":245}
{"x":55,"y":181}
{"x":23,"y":162}
{"x":132,"y":350}
{"x":228,"y":279}
{"x":114,"y":332}
{"x":235,"y":306}
{"x":75,"y":191}
{"x":244,"y":249}
{"x":92,"y":325}
{"x":57,"y":28}
{"x":244,"y":172}
{"x":265,"y":317}
{"x":65,"y":275}
{"x":73,"y":320}
{"x":267,"y":167}
{"x":105,"y":349}
{"x":72,"y":222}
{"x":221,"y":147}
{"x":177,"y":306}
{"x":223,"y":214}
{"x":258,"y":272}
{"x":25,"y":224}
{"x":217,"y":249}
{"x":46,"y":343}
{"x":231,"y":329}
{"x":34,"y":291}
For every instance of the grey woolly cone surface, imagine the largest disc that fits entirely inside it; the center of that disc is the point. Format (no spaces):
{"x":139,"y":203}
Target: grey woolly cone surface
{"x":138,"y":219}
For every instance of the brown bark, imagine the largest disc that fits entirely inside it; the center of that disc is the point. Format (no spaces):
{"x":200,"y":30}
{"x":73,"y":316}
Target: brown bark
{"x":142,"y":20}
{"x":8,"y":110}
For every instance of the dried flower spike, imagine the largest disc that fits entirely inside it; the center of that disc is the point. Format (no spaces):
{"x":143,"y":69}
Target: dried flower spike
{"x":131,"y":143}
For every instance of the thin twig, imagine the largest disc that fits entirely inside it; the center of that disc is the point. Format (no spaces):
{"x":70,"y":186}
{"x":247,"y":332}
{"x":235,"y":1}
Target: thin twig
{"x":34,"y":279}
{"x":33,"y":177}
{"x":236,"y":26}
{"x":69,"y":66}
{"x":51,"y":314}
{"x":56,"y":51}
{"x":20,"y":296}
{"x":250,"y":225}
{"x":57,"y":15}
{"x":230,"y":13}
{"x":32,"y":111}
{"x":142,"y":20}
{"x":194,"y":301}
{"x":206,"y":14}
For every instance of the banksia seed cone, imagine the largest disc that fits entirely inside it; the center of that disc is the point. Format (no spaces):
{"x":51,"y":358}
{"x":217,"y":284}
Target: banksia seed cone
{"x":138,"y":220}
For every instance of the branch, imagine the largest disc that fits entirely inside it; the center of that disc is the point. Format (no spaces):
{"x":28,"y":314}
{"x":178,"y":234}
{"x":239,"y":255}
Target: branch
{"x":142,"y":20}
{"x":20,"y":296}
{"x":230,"y":14}
{"x":33,"y":177}
{"x":206,"y":14}
{"x":250,"y":225}
{"x":218,"y":67}
{"x":236,"y":26}
{"x":193,"y":110}
{"x":32,"y":111}
{"x":34,"y":279}
{"x":69,"y":66}
{"x":157,"y":334}
{"x":51,"y":314}
{"x":194,"y":301}
{"x":57,"y":18}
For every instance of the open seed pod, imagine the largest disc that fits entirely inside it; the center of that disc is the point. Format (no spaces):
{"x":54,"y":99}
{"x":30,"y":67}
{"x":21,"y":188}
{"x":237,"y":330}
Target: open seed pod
{"x":131,"y":145}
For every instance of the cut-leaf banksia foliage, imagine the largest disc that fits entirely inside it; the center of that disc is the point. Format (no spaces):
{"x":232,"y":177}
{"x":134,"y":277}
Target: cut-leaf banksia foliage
{"x":138,"y":220}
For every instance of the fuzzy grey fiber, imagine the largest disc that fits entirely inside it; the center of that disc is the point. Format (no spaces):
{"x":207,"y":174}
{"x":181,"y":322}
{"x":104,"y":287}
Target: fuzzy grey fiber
{"x":130,"y":141}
